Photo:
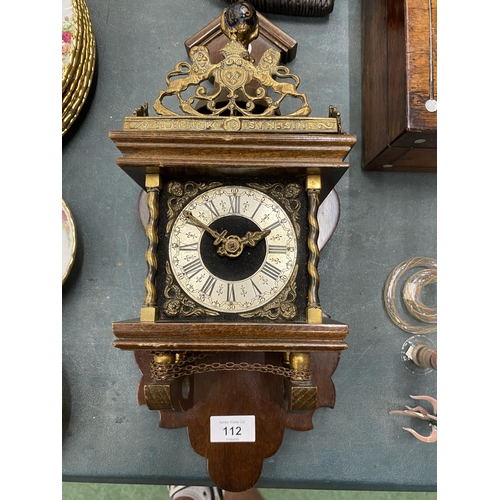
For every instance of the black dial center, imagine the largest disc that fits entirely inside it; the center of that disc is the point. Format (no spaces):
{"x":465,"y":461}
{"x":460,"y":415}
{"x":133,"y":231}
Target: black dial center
{"x":232,"y":268}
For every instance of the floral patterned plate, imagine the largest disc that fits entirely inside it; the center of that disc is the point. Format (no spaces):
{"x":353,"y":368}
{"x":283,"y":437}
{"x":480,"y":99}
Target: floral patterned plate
{"x":68,"y":241}
{"x":78,"y":59}
{"x":68,"y":37}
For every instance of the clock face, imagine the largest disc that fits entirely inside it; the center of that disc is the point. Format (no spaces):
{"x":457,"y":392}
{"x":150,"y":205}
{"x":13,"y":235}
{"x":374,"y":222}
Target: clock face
{"x":233,"y":249}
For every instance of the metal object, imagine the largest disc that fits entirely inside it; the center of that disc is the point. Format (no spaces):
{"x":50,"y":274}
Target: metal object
{"x":314,"y":313}
{"x":431,"y":103}
{"x":190,"y":365}
{"x":301,"y":392}
{"x":300,"y":396}
{"x":153,"y":186}
{"x":232,"y":245}
{"x":231,"y":94}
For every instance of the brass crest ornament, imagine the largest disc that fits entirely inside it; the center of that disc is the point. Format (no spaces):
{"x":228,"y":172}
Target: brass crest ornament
{"x":233,"y":93}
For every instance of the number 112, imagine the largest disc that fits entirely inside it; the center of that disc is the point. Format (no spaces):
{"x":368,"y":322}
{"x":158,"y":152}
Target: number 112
{"x":233,"y":431}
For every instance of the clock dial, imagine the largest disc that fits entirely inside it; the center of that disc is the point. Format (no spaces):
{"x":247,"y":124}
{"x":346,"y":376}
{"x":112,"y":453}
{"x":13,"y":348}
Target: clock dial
{"x":233,"y":249}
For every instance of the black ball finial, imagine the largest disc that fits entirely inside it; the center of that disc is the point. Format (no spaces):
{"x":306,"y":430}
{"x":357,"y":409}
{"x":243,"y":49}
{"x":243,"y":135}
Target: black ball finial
{"x":240,"y":22}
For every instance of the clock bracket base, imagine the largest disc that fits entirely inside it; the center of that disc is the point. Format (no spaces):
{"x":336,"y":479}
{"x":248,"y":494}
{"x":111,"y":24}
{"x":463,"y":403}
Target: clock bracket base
{"x":276,"y":403}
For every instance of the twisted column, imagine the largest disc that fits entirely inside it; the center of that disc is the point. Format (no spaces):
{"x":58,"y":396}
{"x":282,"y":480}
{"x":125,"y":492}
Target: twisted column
{"x":153,"y":186}
{"x":314,"y":313}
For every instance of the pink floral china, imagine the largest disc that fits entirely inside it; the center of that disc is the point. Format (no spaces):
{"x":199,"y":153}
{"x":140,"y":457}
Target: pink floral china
{"x":68,"y":34}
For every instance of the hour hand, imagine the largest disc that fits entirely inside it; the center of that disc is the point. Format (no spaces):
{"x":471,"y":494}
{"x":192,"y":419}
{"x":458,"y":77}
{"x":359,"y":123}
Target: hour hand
{"x":219,"y":237}
{"x":253,"y":237}
{"x":234,"y":245}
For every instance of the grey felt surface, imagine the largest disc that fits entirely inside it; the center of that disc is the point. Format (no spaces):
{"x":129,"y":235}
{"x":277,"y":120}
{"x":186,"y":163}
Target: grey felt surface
{"x":385,"y":219}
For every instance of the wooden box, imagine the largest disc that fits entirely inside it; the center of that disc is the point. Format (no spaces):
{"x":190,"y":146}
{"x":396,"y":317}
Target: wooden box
{"x":400,"y":85}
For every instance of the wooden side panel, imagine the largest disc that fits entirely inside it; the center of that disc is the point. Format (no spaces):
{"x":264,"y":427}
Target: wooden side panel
{"x":404,"y":159}
{"x":396,"y":69}
{"x":399,"y":77}
{"x":418,"y":160}
{"x":375,"y":78}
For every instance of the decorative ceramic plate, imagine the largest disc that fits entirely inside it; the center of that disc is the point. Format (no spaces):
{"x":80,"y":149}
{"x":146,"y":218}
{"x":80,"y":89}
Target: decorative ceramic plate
{"x":68,"y":37}
{"x":78,"y":53}
{"x":68,"y":241}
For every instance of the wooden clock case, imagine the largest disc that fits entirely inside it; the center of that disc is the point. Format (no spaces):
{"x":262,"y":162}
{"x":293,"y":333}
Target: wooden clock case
{"x":277,"y":371}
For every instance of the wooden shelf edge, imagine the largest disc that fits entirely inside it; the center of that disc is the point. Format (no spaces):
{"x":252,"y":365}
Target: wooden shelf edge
{"x":230,"y":337}
{"x":245,"y":139}
{"x":233,"y":345}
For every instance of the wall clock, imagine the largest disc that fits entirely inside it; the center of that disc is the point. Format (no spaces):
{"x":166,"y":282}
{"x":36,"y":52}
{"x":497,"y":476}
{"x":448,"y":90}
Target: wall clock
{"x":231,"y":339}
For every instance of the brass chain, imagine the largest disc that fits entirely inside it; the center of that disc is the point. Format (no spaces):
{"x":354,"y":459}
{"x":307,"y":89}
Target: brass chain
{"x":186,"y":367}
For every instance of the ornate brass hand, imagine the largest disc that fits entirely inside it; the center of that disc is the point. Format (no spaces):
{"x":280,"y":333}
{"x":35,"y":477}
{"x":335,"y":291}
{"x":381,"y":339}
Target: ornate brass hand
{"x":218,"y":237}
{"x":232,"y":245}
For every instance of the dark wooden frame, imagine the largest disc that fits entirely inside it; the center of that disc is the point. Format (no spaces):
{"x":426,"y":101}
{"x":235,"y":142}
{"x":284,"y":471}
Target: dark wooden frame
{"x":396,"y":48}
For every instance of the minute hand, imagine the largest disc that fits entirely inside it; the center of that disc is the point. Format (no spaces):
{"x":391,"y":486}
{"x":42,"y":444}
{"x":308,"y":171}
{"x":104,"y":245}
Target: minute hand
{"x":219,"y":237}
